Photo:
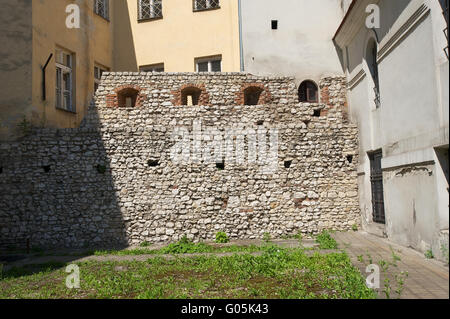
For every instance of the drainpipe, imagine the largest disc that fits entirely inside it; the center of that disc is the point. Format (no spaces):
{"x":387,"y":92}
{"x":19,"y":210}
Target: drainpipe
{"x":44,"y":95}
{"x":241,"y":47}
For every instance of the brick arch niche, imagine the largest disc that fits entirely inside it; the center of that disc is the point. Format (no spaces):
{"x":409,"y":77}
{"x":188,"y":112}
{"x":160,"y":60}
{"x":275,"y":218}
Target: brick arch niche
{"x":191,"y":94}
{"x":126,"y":96}
{"x":253,"y":94}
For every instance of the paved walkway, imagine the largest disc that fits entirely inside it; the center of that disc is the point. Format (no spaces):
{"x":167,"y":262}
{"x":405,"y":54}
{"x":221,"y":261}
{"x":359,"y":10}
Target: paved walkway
{"x":427,"y":279}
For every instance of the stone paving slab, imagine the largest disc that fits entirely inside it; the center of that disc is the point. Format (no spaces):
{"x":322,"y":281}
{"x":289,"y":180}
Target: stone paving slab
{"x":427,"y":279}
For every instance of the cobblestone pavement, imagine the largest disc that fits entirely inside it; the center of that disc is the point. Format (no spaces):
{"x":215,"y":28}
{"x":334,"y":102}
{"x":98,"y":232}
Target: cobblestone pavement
{"x":427,"y":279}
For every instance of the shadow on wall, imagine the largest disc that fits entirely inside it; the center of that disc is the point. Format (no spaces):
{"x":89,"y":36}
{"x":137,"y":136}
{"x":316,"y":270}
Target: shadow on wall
{"x":57,"y":191}
{"x":124,"y":48}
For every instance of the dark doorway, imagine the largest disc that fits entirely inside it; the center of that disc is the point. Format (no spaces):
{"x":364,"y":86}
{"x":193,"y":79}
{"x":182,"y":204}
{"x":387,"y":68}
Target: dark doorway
{"x":376,"y":180}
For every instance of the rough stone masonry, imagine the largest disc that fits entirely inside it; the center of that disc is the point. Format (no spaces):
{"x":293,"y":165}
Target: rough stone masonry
{"x":112,"y":181}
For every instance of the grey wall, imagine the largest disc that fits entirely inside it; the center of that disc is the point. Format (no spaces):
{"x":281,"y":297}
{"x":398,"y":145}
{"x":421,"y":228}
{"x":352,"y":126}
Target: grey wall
{"x":411,"y":122}
{"x":301,"y":47}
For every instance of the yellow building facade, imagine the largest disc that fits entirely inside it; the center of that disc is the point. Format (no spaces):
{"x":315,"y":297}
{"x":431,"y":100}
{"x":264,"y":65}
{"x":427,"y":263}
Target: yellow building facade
{"x":114,"y":35}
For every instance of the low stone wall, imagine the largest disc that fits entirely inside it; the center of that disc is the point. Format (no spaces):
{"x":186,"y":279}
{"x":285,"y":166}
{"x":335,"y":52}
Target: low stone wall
{"x":114,"y":180}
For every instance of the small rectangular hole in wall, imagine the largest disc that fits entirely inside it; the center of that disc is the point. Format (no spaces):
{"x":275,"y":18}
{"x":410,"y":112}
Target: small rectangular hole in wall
{"x":316,"y":113}
{"x":259,"y":123}
{"x":46,"y":168}
{"x":153,"y":163}
{"x":1,"y":170}
{"x":287,"y":164}
{"x":350,"y":158}
{"x":220,"y":166}
{"x":101,"y":169}
{"x":274,"y":24}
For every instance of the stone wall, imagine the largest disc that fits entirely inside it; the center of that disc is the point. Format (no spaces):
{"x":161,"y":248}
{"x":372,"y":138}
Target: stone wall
{"x":113,"y":181}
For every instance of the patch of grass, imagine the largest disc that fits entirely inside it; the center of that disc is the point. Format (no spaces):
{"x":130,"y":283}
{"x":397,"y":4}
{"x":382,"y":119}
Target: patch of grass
{"x":429,"y":254}
{"x":182,"y":247}
{"x":267,"y":237}
{"x":325,"y":241}
{"x":222,"y":238}
{"x":277,"y":273}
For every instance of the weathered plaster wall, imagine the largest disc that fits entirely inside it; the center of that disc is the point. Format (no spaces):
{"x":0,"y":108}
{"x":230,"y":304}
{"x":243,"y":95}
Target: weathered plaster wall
{"x":301,"y":47}
{"x":15,"y":65}
{"x":411,"y":122}
{"x":54,"y":193}
{"x":91,"y":43}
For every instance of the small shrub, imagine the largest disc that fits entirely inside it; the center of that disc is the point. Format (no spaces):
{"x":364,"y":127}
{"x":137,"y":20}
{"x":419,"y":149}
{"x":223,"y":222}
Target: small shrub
{"x":429,"y":254}
{"x":355,"y":227}
{"x":222,"y":238}
{"x":326,"y":241}
{"x":266,"y":237}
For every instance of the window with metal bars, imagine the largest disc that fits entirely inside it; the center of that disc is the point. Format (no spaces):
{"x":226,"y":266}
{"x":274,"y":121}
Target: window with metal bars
{"x":149,"y":9}
{"x":200,"y":5}
{"x":101,"y":7}
{"x":376,"y":181}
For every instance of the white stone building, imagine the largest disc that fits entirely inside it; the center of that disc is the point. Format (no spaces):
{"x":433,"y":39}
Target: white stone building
{"x":398,"y":77}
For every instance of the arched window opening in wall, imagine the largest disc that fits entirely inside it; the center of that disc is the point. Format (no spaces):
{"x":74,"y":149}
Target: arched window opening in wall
{"x":252,"y":95}
{"x":127,"y":97}
{"x":190,"y":96}
{"x":308,"y":92}
{"x":371,"y":59}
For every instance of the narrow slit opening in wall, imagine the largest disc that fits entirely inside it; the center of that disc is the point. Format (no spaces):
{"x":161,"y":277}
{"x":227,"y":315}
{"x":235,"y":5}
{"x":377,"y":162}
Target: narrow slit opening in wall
{"x":220,"y":166}
{"x":1,"y":170}
{"x":350,"y":158}
{"x":46,"y":168}
{"x":316,"y":113}
{"x":259,"y":123}
{"x":153,"y":163}
{"x":274,"y":24}
{"x":287,"y":164}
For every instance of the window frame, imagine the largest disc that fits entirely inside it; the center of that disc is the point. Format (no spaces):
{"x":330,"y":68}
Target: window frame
{"x":97,"y":79}
{"x":106,"y":6}
{"x":209,"y":60}
{"x":156,"y":67}
{"x":151,"y":4}
{"x":59,"y":87}
{"x":207,"y":7}
{"x":309,"y":86}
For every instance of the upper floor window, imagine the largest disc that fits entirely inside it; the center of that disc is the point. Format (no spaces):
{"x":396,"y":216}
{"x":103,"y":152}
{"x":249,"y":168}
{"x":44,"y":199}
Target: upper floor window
{"x":64,"y":79}
{"x":211,"y":64}
{"x":101,"y":7}
{"x":372,"y":63}
{"x":152,"y":68}
{"x":200,"y":5}
{"x":308,"y":92}
{"x":98,"y":71}
{"x":149,"y":9}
